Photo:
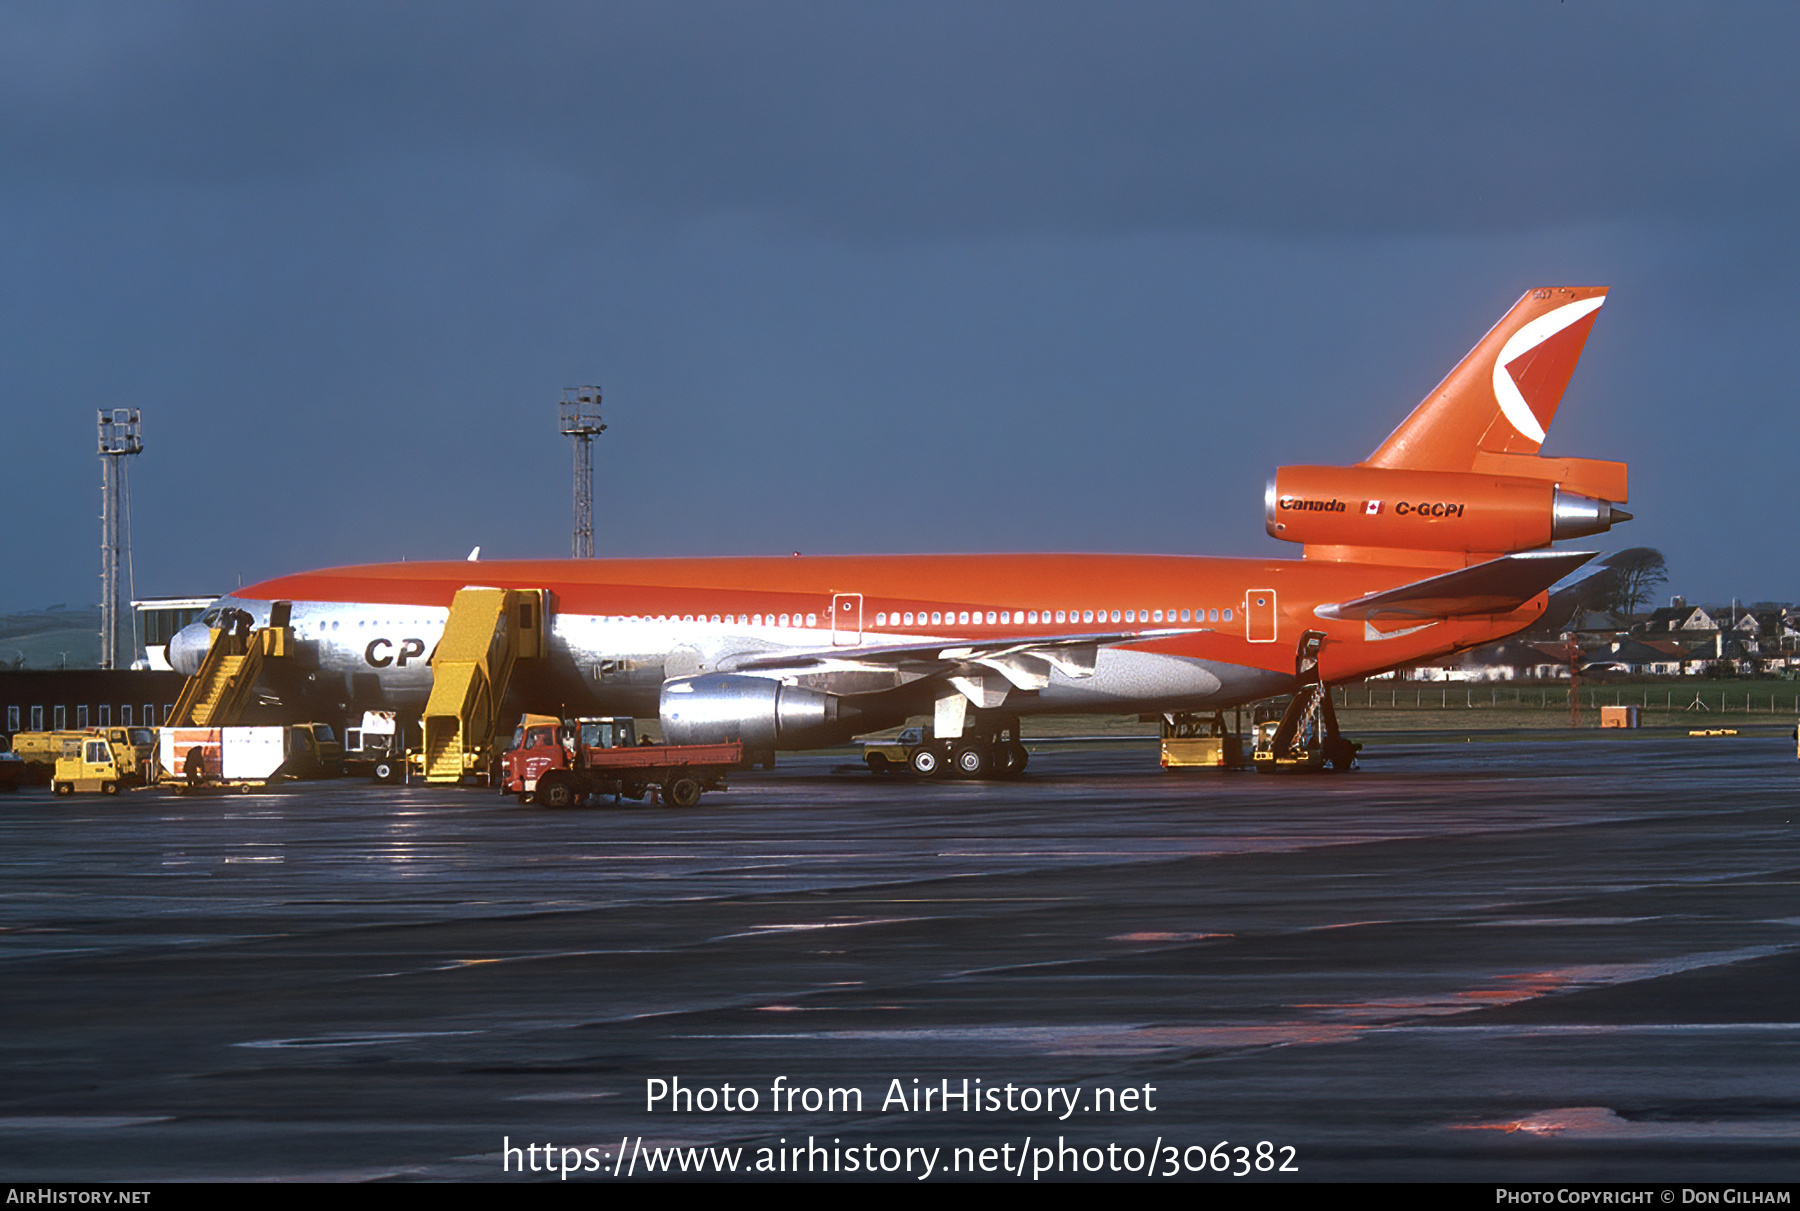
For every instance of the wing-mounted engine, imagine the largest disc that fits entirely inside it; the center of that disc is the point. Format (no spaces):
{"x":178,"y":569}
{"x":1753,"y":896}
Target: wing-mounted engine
{"x":1413,"y":510}
{"x":761,"y":713}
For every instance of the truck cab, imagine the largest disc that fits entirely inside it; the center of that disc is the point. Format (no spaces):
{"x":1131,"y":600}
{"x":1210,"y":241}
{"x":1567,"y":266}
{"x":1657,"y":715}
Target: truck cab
{"x":537,"y":745}
{"x":605,"y":731}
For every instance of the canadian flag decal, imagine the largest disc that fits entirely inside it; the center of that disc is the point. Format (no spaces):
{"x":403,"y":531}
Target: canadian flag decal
{"x":1371,"y":507}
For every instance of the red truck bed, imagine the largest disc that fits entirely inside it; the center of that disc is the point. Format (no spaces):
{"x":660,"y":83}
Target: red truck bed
{"x":661,"y":756}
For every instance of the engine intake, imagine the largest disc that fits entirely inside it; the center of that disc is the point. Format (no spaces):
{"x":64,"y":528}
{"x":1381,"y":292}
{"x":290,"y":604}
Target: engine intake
{"x":758,"y":712}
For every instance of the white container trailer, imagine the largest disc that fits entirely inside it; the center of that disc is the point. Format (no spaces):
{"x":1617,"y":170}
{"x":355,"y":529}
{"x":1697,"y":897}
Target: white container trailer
{"x":241,"y":756}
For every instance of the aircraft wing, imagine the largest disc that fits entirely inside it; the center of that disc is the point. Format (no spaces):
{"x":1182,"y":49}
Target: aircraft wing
{"x":1024,"y":661}
{"x":1494,"y":587}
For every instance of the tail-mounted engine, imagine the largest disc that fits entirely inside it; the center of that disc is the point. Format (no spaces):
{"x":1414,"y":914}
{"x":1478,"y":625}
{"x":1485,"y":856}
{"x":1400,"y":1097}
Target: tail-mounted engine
{"x":1429,"y":510}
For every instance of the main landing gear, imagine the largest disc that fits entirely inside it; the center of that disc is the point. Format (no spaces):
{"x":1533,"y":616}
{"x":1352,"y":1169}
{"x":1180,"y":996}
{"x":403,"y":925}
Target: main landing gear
{"x":998,"y":754}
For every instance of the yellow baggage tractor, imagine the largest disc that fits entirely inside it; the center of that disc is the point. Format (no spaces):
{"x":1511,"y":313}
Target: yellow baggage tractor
{"x":93,"y":766}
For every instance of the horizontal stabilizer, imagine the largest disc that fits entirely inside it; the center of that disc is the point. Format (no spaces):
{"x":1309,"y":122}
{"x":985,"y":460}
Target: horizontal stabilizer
{"x":1495,"y":587}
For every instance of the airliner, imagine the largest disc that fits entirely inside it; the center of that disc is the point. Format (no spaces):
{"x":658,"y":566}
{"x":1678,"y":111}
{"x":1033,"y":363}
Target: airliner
{"x":1441,"y":540}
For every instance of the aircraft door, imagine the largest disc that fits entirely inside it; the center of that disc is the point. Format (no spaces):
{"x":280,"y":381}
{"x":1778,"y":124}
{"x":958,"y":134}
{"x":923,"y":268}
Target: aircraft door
{"x":1259,"y":615}
{"x":846,"y":619}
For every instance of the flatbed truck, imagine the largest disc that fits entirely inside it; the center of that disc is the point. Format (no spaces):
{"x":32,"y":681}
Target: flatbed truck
{"x":560,"y":762}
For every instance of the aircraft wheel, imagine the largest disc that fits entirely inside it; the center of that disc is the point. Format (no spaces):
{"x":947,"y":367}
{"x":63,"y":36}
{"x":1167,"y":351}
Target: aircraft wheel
{"x":971,"y":761}
{"x":878,"y":764}
{"x":926,"y":762}
{"x":555,"y":793}
{"x":682,"y":792}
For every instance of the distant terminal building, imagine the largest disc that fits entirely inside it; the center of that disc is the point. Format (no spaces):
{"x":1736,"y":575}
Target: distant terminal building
{"x":38,"y":700}
{"x":158,"y":618}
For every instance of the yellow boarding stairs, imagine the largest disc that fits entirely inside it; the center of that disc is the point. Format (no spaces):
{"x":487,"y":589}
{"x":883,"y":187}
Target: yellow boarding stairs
{"x":487,"y":631}
{"x":219,"y":690}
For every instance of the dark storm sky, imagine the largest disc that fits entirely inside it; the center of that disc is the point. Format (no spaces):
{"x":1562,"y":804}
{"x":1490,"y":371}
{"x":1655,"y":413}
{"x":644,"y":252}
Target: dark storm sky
{"x":905,"y":277}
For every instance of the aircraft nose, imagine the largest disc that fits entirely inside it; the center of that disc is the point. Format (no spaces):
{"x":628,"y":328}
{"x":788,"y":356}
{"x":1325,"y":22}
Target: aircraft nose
{"x":188,"y":648}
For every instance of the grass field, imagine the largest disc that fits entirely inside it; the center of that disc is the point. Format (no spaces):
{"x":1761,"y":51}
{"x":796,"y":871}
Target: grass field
{"x":76,"y":647}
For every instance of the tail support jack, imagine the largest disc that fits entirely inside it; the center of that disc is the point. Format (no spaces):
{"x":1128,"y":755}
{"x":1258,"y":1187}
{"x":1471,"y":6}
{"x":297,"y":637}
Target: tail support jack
{"x":1306,"y":739}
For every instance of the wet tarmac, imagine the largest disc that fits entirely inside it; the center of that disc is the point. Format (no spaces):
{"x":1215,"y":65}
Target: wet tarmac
{"x":1526,"y":961}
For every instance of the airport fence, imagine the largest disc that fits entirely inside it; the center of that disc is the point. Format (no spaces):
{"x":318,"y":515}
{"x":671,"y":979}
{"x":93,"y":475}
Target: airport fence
{"x":1664,"y":699}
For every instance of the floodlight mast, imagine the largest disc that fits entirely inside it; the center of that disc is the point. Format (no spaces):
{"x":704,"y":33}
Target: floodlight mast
{"x":121,"y":436}
{"x":581,"y":422}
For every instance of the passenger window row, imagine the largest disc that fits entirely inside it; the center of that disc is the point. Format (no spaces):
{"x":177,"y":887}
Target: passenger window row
{"x":908,"y":618}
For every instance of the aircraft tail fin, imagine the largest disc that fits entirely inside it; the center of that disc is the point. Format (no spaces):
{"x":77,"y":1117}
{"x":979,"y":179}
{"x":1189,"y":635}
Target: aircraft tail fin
{"x":1490,"y":414}
{"x":1461,"y":479}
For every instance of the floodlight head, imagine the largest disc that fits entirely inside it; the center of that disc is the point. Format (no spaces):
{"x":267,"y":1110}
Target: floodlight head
{"x":581,"y":412}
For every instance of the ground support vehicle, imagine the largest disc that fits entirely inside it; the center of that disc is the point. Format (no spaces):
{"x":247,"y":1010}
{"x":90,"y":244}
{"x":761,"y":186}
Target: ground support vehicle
{"x":327,"y":750}
{"x":560,"y":762}
{"x":39,"y":751}
{"x":896,"y":753}
{"x":239,"y":757}
{"x":133,"y":748}
{"x":1191,"y":741}
{"x":12,"y":769}
{"x":93,"y":765}
{"x":374,"y":750}
{"x":1000,"y":755}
